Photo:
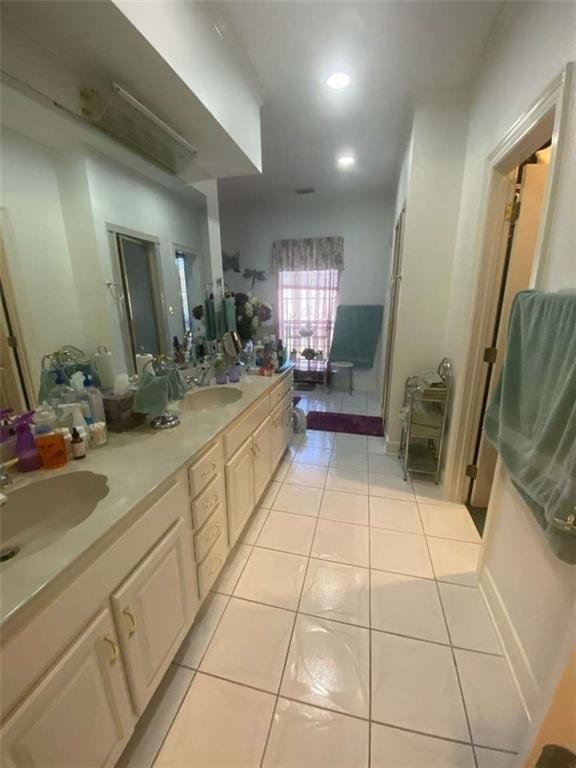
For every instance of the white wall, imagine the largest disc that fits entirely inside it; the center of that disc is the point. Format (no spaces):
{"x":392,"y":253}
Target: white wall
{"x":364,"y":222}
{"x":529,"y":590}
{"x":430,"y":183}
{"x":36,"y":249}
{"x":205,"y":58}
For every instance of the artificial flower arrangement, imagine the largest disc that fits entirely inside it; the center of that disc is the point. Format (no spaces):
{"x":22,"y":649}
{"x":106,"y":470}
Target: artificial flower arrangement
{"x":251,"y":312}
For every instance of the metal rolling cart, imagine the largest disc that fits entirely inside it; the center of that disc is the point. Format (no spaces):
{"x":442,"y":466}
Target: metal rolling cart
{"x":423,"y":416}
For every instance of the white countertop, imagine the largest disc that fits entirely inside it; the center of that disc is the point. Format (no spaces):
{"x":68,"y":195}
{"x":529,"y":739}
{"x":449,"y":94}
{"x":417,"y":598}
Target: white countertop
{"x":135,"y":463}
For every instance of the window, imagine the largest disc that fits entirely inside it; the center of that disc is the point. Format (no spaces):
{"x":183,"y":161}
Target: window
{"x":307,"y":302}
{"x":183,"y":284}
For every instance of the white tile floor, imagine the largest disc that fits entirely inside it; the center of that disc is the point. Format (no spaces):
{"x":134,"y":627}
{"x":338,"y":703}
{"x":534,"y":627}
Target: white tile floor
{"x":346,"y":632}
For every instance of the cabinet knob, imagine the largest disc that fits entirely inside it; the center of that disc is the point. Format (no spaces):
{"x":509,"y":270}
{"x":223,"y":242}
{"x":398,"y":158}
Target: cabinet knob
{"x":256,"y":449}
{"x":208,"y":471}
{"x":130,"y":616}
{"x":211,"y":503}
{"x":107,"y":638}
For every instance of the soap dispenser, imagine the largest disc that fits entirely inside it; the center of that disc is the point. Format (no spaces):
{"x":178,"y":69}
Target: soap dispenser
{"x":51,"y":444}
{"x":26,"y":450}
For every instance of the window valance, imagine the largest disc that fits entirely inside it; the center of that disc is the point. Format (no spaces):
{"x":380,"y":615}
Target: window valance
{"x":308,"y":253}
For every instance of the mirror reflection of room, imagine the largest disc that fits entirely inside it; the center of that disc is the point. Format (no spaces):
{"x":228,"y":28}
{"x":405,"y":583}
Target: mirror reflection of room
{"x":101,"y":250}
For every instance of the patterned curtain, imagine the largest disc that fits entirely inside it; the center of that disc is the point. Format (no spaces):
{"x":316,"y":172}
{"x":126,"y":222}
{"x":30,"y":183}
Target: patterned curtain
{"x":308,"y":254}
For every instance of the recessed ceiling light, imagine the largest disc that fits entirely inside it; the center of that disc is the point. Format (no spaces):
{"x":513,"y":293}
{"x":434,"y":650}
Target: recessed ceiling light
{"x":346,"y":161}
{"x":338,"y":80}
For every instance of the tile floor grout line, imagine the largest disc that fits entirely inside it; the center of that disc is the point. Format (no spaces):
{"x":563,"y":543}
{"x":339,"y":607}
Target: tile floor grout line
{"x":288,"y":647}
{"x":369,"y":635}
{"x":468,"y":725}
{"x":348,"y":714}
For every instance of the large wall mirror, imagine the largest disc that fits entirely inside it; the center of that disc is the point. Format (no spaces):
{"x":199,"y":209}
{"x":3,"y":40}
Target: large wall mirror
{"x":99,"y":247}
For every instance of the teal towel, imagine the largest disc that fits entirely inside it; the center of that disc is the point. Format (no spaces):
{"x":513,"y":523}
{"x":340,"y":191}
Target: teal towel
{"x":176,"y":385}
{"x":210,"y":319}
{"x":532,"y":418}
{"x":152,"y":394}
{"x":356,"y":334}
{"x":230,"y":314}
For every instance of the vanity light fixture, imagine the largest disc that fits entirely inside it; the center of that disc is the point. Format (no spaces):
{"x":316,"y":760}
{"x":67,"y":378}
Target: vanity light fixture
{"x":338,"y":80}
{"x":345,"y":161}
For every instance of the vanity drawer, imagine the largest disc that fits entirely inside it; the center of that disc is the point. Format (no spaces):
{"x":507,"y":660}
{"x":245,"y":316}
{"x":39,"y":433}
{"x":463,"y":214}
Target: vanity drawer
{"x":206,"y":468}
{"x":209,"y":569}
{"x":211,"y":531}
{"x":204,"y":504}
{"x":280,"y":391}
{"x":247,"y":425}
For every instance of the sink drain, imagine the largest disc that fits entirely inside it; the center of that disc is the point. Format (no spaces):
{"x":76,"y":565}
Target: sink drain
{"x":8,"y":553}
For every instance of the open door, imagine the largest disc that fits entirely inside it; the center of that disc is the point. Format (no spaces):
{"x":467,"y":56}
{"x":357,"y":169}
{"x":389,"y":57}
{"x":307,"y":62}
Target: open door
{"x":525,"y":213}
{"x":393,"y":295}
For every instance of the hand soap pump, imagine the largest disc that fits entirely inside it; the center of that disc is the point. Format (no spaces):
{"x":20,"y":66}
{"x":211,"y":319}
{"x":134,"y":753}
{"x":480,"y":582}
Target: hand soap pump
{"x":26,"y":450}
{"x":51,"y":445}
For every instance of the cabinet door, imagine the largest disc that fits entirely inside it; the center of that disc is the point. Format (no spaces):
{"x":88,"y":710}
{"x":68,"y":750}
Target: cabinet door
{"x":239,"y":489}
{"x":277,"y":436}
{"x":79,"y":714}
{"x":154,"y":609}
{"x":261,"y":448}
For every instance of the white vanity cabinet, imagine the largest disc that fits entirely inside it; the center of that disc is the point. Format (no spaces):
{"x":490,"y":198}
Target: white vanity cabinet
{"x":153,"y":612}
{"x":80,"y":713}
{"x":281,"y":428}
{"x":262,"y":461}
{"x":80,"y":667}
{"x":262,"y":436}
{"x":240,"y":489}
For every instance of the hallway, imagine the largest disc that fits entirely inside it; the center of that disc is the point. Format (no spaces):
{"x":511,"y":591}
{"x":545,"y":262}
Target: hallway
{"x":346,"y":631}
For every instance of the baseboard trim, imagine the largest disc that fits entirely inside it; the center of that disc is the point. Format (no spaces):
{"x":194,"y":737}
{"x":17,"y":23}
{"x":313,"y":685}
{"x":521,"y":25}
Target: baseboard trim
{"x":392,"y":446}
{"x":526,"y":683}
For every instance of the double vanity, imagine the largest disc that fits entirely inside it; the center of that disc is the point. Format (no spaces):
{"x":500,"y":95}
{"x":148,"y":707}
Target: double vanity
{"x":114,"y":556}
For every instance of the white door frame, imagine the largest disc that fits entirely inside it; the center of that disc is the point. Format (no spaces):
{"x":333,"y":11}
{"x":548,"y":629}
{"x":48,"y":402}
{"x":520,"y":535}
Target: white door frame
{"x":155,"y":256}
{"x":393,"y":295}
{"x":24,"y":379}
{"x":547,"y":118}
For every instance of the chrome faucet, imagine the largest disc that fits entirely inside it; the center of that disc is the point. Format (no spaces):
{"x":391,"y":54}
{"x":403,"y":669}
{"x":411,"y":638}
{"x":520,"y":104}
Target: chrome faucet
{"x":5,"y":479}
{"x":203,"y":379}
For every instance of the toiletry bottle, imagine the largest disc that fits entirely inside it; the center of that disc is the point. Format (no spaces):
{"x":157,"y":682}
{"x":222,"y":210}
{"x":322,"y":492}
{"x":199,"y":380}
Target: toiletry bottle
{"x":26,"y":449}
{"x":61,"y":392}
{"x":220,"y":369}
{"x":281,"y":354}
{"x":51,"y":444}
{"x":95,"y":400}
{"x":78,"y":445}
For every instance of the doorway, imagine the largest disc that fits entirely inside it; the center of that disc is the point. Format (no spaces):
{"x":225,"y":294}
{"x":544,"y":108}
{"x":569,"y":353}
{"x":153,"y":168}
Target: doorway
{"x":141,"y":296}
{"x":543,"y":123}
{"x":523,"y":216}
{"x":393,"y":296}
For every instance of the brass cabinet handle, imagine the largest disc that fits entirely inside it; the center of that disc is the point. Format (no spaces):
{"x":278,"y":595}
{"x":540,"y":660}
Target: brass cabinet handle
{"x":217,"y":566}
{"x":215,"y":534}
{"x":107,"y":638}
{"x":212,"y":503}
{"x":255,"y":449}
{"x":128,"y":613}
{"x":209,"y":471}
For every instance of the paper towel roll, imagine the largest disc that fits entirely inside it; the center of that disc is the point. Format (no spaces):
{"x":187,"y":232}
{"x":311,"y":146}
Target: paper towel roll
{"x":141,"y":361}
{"x":103,"y":363}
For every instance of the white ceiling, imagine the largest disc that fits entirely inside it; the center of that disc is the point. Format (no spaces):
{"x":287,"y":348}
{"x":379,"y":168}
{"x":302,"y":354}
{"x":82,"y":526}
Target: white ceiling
{"x":390,"y":49}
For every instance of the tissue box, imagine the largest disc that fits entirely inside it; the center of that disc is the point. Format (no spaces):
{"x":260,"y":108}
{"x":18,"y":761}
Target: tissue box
{"x":119,"y":414}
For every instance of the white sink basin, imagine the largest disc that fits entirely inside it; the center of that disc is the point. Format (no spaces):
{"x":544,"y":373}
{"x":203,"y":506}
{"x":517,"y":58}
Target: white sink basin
{"x":37,"y":514}
{"x":211,"y":397}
